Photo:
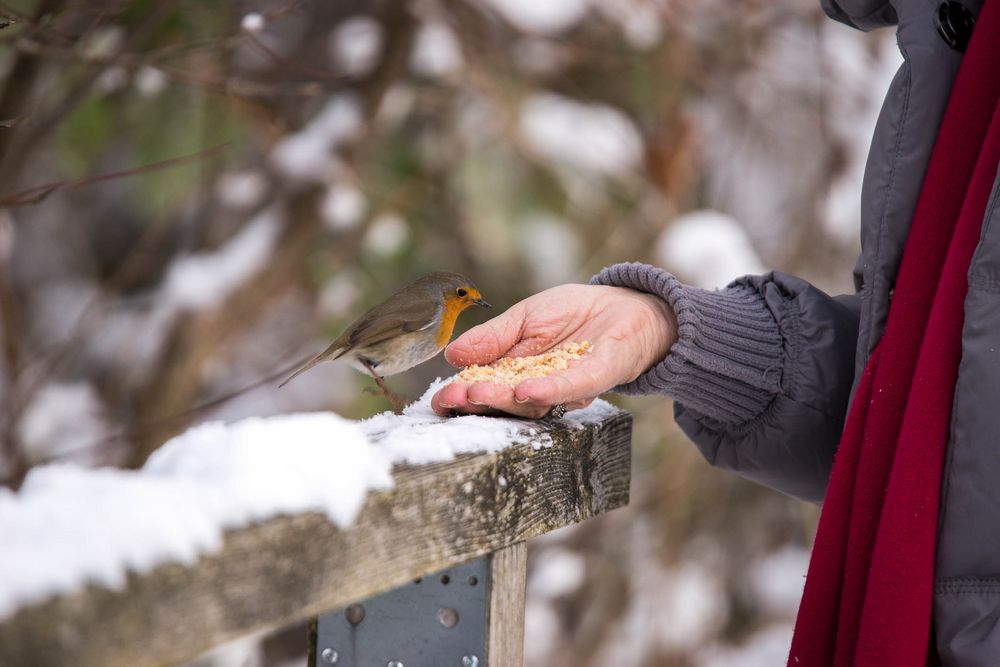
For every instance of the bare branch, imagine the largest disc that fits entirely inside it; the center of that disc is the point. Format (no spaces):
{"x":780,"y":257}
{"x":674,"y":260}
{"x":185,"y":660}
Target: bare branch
{"x":38,"y":193}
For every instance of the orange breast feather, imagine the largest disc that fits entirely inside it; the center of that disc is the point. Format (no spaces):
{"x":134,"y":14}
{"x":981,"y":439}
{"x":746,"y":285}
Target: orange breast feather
{"x":452,"y":307}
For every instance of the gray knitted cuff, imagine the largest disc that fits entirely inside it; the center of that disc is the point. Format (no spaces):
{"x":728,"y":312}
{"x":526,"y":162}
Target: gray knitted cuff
{"x":727,"y":361}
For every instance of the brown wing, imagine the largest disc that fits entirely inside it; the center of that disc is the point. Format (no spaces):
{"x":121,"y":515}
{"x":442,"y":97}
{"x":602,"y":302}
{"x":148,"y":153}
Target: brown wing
{"x":387,"y":320}
{"x":409,"y":310}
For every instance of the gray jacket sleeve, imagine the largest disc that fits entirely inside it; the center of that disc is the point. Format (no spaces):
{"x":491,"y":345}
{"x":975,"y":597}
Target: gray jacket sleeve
{"x":760,"y":374}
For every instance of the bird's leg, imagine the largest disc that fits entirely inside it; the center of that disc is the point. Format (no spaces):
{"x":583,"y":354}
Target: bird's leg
{"x":397,"y":402}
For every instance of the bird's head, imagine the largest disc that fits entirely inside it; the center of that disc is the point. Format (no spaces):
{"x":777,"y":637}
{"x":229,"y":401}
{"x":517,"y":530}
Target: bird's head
{"x":458,"y":292}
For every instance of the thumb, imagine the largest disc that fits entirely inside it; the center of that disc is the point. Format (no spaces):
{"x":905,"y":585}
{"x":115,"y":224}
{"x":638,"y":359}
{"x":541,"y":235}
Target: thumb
{"x":489,"y":341}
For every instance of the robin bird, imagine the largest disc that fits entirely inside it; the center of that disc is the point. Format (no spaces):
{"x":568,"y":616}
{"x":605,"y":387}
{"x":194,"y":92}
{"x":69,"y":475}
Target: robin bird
{"x":407,"y":329}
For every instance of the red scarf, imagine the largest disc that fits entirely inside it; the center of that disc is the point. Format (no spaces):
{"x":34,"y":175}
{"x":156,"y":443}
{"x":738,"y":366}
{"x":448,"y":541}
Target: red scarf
{"x":868,"y":594}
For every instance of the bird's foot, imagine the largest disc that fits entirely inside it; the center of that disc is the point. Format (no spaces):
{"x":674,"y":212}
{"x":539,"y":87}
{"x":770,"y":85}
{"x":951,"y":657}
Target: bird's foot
{"x":395,"y":400}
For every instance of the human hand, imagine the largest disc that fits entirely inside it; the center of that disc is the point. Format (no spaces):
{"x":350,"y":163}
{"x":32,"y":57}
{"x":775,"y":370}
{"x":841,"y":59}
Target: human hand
{"x":630,"y":331}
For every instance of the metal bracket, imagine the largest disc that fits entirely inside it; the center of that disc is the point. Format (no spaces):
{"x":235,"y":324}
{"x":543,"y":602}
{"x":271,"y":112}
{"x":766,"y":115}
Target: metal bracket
{"x":437,"y":621}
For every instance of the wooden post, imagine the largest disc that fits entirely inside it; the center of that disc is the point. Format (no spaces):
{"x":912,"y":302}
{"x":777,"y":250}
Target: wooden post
{"x":505,"y":633}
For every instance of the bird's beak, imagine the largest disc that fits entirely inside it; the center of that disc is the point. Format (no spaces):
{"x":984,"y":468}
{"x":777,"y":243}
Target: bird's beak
{"x":482,"y":302}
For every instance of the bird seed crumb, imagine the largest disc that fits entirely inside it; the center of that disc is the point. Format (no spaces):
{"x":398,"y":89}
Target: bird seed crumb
{"x":511,"y":371}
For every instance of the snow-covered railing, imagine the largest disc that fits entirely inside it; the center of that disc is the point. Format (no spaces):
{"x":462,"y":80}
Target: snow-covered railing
{"x":272,"y":572}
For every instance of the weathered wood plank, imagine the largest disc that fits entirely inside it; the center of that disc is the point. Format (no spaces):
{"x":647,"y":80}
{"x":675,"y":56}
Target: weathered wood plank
{"x":290,"y":568}
{"x":505,"y":635}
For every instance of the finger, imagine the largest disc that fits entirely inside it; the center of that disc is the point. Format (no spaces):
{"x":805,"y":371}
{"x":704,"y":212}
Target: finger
{"x":490,"y":394}
{"x":454,"y":399}
{"x":485,"y":399}
{"x":489,"y":341}
{"x":450,"y":398}
{"x":501,"y":397}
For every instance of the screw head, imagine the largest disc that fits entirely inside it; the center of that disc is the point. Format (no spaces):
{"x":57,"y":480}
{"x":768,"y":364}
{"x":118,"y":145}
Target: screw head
{"x":394,"y":663}
{"x":447,"y":617}
{"x":470,"y":661}
{"x":354,"y":614}
{"x":329,"y":656}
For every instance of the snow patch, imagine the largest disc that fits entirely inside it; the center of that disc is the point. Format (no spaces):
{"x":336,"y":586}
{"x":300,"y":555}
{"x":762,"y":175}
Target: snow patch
{"x":436,"y":52}
{"x":252,"y":23}
{"x":150,"y":81}
{"x":639,"y":20}
{"x":669,"y":610}
{"x":776,"y":580}
{"x":340,"y":295}
{"x":708,"y":249}
{"x":69,"y":526}
{"x":8,"y":235}
{"x":62,"y":419}
{"x":695,"y":601}
{"x":387,"y":235}
{"x":309,"y":154}
{"x":557,"y":572}
{"x":862,"y":77}
{"x":203,"y":281}
{"x":323,"y":463}
{"x":111,"y":79}
{"x":420,"y":435}
{"x":555,"y":125}
{"x":355,"y":45}
{"x":595,"y":413}
{"x":542,"y":627}
{"x":241,"y":189}
{"x":552,"y":248}
{"x":343,"y":206}
{"x":548,"y":17}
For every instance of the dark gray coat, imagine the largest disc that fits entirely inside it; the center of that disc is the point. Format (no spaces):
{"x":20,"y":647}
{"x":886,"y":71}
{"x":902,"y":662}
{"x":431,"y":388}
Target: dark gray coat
{"x":763,"y":371}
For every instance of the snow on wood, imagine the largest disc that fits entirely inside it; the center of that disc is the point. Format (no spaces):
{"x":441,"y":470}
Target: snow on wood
{"x":231,"y":529}
{"x":69,"y":526}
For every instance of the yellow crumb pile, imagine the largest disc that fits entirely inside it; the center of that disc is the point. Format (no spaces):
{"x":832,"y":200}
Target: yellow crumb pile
{"x":511,"y":371}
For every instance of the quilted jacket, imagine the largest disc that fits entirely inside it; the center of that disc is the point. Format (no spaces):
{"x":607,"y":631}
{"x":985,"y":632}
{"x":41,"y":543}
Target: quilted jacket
{"x":763,"y":371}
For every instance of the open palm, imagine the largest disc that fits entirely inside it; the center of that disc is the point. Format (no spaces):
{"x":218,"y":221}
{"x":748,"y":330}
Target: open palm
{"x":629,"y":332}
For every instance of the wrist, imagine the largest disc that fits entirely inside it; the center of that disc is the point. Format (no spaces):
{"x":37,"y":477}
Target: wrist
{"x":661,"y":331}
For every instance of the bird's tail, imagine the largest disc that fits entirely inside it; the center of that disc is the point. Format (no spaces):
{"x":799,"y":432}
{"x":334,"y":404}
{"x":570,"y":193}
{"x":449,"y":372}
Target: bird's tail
{"x":322,"y":356}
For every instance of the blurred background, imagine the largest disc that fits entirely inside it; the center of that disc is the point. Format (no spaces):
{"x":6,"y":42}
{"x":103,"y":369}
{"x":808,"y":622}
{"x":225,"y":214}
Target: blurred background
{"x":194,"y":196}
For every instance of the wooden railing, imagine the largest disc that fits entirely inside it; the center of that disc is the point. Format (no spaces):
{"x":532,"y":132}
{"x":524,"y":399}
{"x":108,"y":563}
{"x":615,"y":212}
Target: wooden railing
{"x":437,"y":519}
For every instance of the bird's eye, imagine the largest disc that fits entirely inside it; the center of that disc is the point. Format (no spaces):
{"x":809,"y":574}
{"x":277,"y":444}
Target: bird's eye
{"x":461,"y":291}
